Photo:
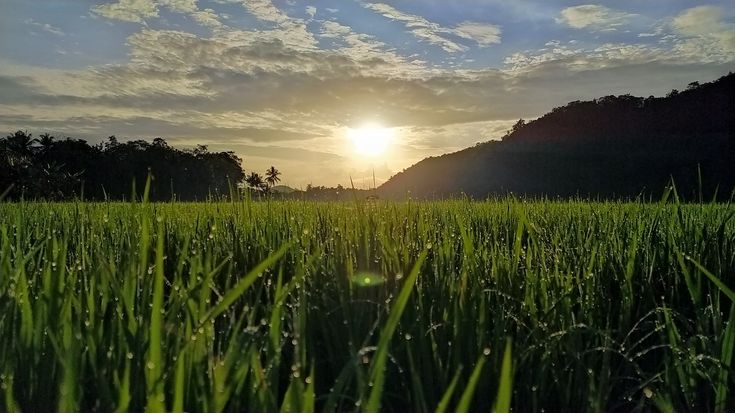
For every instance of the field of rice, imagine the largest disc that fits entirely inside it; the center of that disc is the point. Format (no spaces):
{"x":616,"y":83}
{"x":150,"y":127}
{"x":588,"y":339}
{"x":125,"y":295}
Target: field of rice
{"x":364,"y":306}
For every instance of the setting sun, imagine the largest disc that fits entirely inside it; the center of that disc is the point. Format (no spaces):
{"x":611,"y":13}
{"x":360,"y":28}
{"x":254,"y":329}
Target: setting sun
{"x":370,"y":140}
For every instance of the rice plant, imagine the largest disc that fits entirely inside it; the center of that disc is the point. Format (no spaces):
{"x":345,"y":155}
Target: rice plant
{"x":392,"y":306}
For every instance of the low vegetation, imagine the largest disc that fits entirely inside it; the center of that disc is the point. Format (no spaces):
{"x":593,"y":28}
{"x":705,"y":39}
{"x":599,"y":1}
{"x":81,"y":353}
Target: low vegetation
{"x":301,"y":306}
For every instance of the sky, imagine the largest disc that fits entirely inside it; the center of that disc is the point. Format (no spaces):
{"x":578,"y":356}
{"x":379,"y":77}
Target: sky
{"x":288,"y":82}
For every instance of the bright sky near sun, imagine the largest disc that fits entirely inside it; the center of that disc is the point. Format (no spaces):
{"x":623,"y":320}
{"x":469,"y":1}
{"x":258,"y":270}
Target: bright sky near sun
{"x":333,"y":89}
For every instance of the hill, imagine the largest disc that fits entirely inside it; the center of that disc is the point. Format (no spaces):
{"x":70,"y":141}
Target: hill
{"x":614,"y":146}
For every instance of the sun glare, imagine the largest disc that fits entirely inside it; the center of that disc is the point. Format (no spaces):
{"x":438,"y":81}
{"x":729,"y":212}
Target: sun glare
{"x":370,"y":140}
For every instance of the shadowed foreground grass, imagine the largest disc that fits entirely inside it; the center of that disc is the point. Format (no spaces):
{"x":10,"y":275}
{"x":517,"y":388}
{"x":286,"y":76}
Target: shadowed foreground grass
{"x":301,"y":307}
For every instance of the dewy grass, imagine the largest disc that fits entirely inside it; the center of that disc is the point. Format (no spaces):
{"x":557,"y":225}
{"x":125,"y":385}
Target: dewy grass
{"x":412,"y":306}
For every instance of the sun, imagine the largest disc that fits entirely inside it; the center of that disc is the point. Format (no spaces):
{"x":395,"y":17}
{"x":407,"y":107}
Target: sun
{"x":370,"y":140}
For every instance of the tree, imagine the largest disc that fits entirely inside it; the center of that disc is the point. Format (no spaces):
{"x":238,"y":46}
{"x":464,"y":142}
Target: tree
{"x":518,"y":125}
{"x":515,"y":128}
{"x":255,"y":181}
{"x":21,"y":143}
{"x":48,"y":168}
{"x":271,"y":176}
{"x":46,"y":141}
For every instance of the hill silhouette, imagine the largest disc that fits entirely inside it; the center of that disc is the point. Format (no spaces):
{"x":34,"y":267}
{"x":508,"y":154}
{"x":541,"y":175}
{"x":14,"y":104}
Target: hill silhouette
{"x":611,"y":147}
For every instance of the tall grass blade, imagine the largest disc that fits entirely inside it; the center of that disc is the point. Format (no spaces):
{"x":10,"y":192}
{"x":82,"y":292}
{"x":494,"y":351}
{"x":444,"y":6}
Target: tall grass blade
{"x":728,"y":346}
{"x":505,"y":388}
{"x":465,"y":401}
{"x":716,"y":281}
{"x":244,"y":283}
{"x":447,"y":397}
{"x":154,"y":367}
{"x":377,"y":367}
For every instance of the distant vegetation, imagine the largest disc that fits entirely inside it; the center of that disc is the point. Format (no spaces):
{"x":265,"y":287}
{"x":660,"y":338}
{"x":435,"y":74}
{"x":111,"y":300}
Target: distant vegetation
{"x":614,"y":146}
{"x":56,"y":169}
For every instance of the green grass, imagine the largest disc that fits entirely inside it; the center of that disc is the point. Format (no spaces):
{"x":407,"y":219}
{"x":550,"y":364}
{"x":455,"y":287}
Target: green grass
{"x":366,"y":306}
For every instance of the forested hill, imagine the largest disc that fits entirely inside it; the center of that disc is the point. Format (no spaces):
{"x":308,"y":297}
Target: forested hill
{"x":614,"y":146}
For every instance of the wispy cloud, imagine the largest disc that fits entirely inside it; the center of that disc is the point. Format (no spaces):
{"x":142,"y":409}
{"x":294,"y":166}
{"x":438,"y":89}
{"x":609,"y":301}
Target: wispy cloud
{"x":702,"y":32}
{"x":310,"y":11}
{"x":139,"y":11}
{"x":45,"y":27}
{"x":483,"y":34}
{"x":181,"y":6}
{"x":594,"y":17}
{"x":207,"y":18}
{"x":136,"y":11}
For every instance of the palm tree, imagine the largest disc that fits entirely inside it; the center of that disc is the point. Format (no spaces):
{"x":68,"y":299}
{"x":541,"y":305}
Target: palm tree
{"x":255,"y":181}
{"x":45,"y":140}
{"x":20,"y":142}
{"x":271,"y":176}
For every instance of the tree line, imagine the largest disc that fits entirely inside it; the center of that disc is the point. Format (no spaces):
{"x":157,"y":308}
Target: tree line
{"x":60,"y":169}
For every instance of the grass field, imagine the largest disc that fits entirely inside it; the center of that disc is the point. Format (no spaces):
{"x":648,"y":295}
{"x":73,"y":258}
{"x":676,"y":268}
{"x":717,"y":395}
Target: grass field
{"x":360,"y":306}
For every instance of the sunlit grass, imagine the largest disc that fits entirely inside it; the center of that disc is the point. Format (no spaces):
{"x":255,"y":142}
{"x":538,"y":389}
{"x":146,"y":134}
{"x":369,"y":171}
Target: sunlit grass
{"x":302,"y":307}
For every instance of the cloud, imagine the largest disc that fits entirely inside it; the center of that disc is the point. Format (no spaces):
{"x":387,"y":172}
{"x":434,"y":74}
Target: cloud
{"x":265,"y":10}
{"x":208,"y":18}
{"x":244,"y":80}
{"x":136,"y":11}
{"x":273,"y":85}
{"x":373,"y":56}
{"x":419,"y":27}
{"x":291,"y":31}
{"x":594,"y":17}
{"x":180,"y":6}
{"x":574,"y":58}
{"x":45,"y":27}
{"x":311,"y":11}
{"x":706,"y":31}
{"x":482,"y":33}
{"x":699,"y":34}
{"x":702,"y":20}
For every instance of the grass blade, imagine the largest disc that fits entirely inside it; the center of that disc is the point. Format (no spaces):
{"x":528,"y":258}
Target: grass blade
{"x":728,"y":344}
{"x":243,"y":284}
{"x":466,"y":400}
{"x":447,"y":397}
{"x":725,"y":289}
{"x":505,"y":388}
{"x":377,"y":368}
{"x":154,"y":366}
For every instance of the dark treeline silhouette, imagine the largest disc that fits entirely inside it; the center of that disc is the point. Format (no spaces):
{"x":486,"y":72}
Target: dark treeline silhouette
{"x":611,"y":147}
{"x":58,"y":169}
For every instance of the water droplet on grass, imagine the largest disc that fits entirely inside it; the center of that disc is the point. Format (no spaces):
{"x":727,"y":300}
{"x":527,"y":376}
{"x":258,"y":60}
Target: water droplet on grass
{"x":367,"y":279}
